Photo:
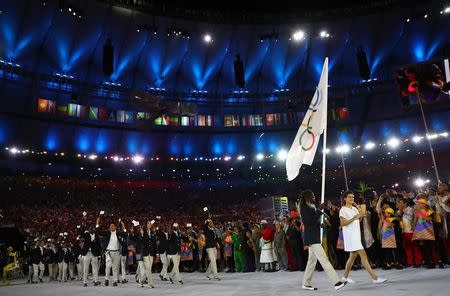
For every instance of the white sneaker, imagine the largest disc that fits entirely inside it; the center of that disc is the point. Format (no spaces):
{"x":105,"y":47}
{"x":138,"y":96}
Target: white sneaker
{"x":308,"y":288}
{"x":379,"y":280}
{"x":348,"y":280}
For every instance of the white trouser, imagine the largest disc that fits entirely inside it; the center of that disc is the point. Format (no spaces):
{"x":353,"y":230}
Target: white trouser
{"x":141,"y":271}
{"x":62,"y":271}
{"x":80,"y":268}
{"x":38,"y":271}
{"x":165,"y":264}
{"x":123,"y":267}
{"x":71,"y":270}
{"x":212,"y":267}
{"x":112,"y":262}
{"x":148,"y":263}
{"x":52,"y":271}
{"x":89,"y":259}
{"x":175,"y":270}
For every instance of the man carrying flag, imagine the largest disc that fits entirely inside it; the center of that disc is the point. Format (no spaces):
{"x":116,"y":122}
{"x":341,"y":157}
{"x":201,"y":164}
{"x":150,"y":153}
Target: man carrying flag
{"x":302,"y":151}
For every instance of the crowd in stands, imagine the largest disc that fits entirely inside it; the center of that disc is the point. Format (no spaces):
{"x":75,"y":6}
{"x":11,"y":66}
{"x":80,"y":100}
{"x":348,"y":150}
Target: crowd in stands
{"x":401,"y":229}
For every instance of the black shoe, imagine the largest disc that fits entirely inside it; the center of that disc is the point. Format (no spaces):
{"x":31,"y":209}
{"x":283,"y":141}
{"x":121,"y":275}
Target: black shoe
{"x":309,"y":288}
{"x":181,"y":282}
{"x":96,"y":283}
{"x":170,"y":279}
{"x":417,"y":266}
{"x":85,"y":285}
{"x":161,"y":277}
{"x":41,"y":281}
{"x":151,"y":287}
{"x":217,"y":279}
{"x":340,"y":285}
{"x":441,"y":265}
{"x":106,"y":283}
{"x":115,"y":284}
{"x":398,"y":266}
{"x":124,"y":281}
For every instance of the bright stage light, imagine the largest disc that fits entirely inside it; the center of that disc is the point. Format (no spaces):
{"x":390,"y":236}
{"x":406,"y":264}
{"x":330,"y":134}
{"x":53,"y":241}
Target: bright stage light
{"x":116,"y":158}
{"x":207,"y":38}
{"x":282,"y":154}
{"x":393,"y":142}
{"x":260,"y":156}
{"x":241,"y":157}
{"x":324,"y":34}
{"x":417,"y":139}
{"x":137,"y":159}
{"x":343,"y":149}
{"x":14,"y":150}
{"x":227,"y":158}
{"x":432,"y":136}
{"x":447,"y":10}
{"x":369,"y":146}
{"x":419,"y":182}
{"x":92,"y":156}
{"x":298,"y":35}
{"x":444,"y":134}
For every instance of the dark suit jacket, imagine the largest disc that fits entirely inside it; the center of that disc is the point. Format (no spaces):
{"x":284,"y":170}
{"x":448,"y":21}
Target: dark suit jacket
{"x":311,"y":222}
{"x":174,"y":244}
{"x":149,"y":244}
{"x":163,"y":245}
{"x":93,"y":245}
{"x":37,"y":256}
{"x":210,"y":237}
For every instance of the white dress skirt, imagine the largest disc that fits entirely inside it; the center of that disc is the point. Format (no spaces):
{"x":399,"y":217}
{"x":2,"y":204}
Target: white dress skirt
{"x":351,"y":232}
{"x":267,"y":252}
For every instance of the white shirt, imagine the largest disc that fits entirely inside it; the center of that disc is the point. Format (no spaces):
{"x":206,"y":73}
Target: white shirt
{"x":113,"y":244}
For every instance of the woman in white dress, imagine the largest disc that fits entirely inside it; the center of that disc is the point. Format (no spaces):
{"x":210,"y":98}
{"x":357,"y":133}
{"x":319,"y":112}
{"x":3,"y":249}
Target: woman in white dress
{"x":350,"y":217}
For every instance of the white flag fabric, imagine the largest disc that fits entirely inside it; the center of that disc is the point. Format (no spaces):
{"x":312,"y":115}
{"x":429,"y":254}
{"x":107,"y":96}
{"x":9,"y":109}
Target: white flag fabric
{"x":305,"y":144}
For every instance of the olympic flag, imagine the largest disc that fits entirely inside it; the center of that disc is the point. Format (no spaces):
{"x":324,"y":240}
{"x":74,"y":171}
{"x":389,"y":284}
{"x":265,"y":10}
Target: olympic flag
{"x":314,"y":123}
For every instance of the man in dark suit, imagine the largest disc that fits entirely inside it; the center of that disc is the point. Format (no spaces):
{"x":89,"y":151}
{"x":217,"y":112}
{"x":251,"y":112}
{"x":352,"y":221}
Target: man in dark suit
{"x":124,"y":253}
{"x":312,"y":238}
{"x":211,"y":242}
{"x":149,"y":251}
{"x":90,"y":253}
{"x":37,"y":259}
{"x":163,"y":246}
{"x":173,"y":252}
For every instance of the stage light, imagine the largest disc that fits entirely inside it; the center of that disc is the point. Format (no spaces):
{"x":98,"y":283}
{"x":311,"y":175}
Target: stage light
{"x":408,"y":20}
{"x":432,"y":136}
{"x":416,"y":139}
{"x":227,"y":158}
{"x":393,"y":142}
{"x":207,"y":38}
{"x":327,"y":151}
{"x":445,"y":134}
{"x":419,"y":182}
{"x":369,"y":146}
{"x":343,"y":149}
{"x":260,"y":156}
{"x":425,"y":16}
{"x":282,"y":154}
{"x":298,"y":35}
{"x":116,"y":158}
{"x":14,"y":150}
{"x":92,"y":156}
{"x":241,"y":157}
{"x":324,"y":34}
{"x":447,"y":10}
{"x":137,"y":159}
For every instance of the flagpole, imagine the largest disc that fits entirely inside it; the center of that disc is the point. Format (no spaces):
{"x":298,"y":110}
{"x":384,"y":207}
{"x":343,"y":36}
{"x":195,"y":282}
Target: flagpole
{"x":324,"y":155}
{"x":345,"y":170}
{"x":428,"y":138}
